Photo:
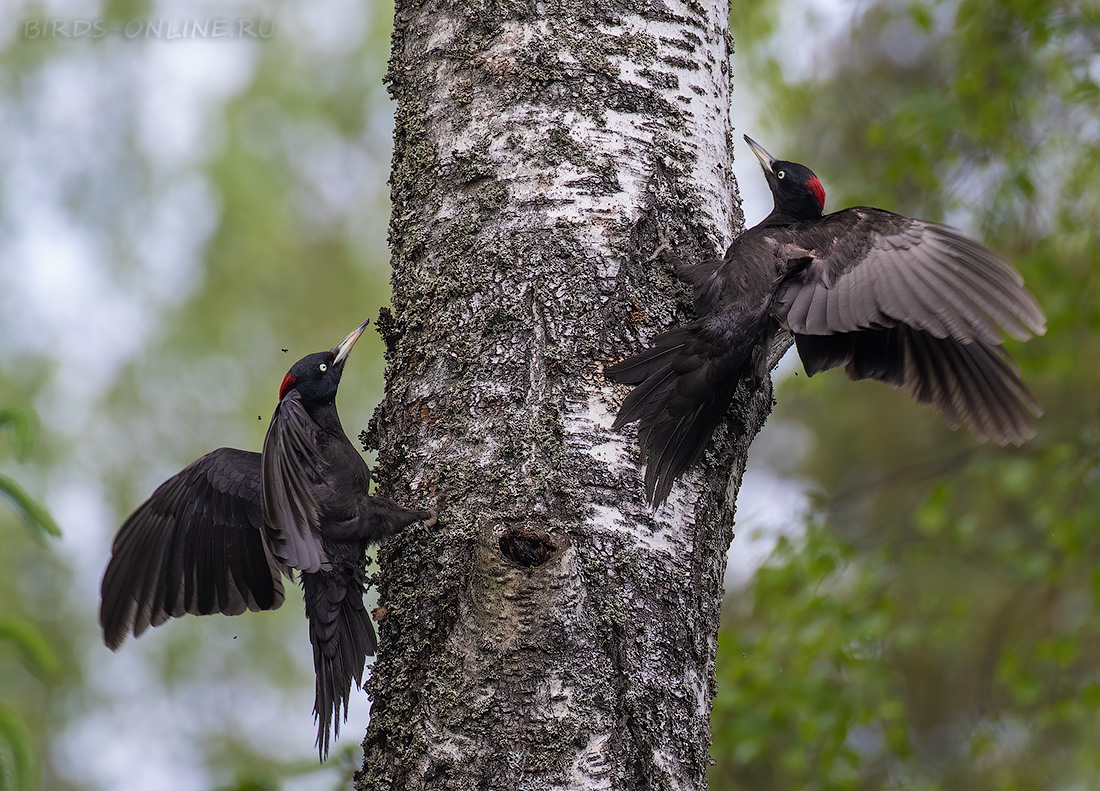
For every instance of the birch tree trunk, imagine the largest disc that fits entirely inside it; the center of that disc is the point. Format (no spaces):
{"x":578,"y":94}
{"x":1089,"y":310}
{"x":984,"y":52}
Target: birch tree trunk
{"x":552,"y":631}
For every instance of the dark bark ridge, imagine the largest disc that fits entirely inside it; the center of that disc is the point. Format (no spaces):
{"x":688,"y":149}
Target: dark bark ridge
{"x":551,"y":631}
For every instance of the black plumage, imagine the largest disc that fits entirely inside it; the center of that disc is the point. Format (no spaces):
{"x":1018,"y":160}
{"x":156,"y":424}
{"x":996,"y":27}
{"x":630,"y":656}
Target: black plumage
{"x":911,"y":303}
{"x":217,"y":537}
{"x":195,"y":547}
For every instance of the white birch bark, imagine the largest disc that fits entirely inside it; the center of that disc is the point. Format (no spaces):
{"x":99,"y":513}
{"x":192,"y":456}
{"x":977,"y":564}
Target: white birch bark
{"x":552,"y":631}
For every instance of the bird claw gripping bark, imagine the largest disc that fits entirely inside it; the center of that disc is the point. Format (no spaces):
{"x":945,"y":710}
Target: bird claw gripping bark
{"x":434,"y":511}
{"x":663,"y":250}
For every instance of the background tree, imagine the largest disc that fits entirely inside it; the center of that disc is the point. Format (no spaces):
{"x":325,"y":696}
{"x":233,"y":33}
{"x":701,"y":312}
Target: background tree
{"x":938,"y":625}
{"x":174,"y":214}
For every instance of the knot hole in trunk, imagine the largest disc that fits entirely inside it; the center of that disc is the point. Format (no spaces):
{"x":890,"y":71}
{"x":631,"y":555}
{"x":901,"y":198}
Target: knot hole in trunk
{"x":526,"y":547}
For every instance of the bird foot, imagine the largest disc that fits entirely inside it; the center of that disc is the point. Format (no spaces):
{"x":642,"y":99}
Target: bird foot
{"x":665,"y":253}
{"x":433,"y":513}
{"x":664,"y":246}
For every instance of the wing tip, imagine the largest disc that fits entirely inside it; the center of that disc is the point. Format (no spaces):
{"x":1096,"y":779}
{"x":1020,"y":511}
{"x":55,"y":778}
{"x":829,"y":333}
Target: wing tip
{"x":114,"y":639}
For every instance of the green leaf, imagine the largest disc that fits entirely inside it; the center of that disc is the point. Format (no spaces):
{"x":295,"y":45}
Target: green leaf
{"x":35,"y":513}
{"x":24,"y":426}
{"x":34,"y":649}
{"x":18,"y":753}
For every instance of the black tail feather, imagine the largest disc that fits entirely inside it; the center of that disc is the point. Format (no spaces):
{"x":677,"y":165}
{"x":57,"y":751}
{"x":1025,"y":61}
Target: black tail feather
{"x":685,"y":383}
{"x":343,"y":637}
{"x":635,"y":370}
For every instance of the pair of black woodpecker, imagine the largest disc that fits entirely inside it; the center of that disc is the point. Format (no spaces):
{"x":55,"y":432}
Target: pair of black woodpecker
{"x":219,"y":536}
{"x":907,"y":302}
{"x":910,"y":303}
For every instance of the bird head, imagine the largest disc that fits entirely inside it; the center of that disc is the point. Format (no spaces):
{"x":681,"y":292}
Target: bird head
{"x":317,"y":376}
{"x":797,"y":192}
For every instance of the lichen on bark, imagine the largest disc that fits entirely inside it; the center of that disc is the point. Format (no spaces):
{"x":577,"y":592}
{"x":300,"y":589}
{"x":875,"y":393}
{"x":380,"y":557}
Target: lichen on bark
{"x":551,"y":631}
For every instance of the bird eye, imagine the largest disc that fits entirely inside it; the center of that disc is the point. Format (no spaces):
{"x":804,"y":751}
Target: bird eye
{"x":781,"y":174}
{"x":322,"y":367}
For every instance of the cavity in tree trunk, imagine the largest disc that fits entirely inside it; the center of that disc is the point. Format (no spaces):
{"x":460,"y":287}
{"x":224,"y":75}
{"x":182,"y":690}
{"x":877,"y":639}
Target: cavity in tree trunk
{"x":552,"y":631}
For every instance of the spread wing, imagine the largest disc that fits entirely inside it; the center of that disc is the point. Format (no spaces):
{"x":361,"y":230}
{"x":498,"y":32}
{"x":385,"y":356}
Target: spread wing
{"x":914,"y":304}
{"x":968,"y":384}
{"x":868,"y":269}
{"x":195,"y":546}
{"x":292,"y":463}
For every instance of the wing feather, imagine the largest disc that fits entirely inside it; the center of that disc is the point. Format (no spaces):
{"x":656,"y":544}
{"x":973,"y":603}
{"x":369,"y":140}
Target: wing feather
{"x":292,"y":463}
{"x":874,"y":269}
{"x":968,"y":384}
{"x":195,"y":546}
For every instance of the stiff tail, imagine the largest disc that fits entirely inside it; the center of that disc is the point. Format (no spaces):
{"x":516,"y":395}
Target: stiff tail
{"x":684,"y":384}
{"x":343,"y":637}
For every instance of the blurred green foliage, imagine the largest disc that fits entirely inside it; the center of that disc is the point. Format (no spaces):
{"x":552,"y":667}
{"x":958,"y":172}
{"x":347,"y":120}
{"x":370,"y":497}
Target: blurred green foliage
{"x":939,"y":625}
{"x":18,"y":752}
{"x":24,"y":428}
{"x":220,"y":208}
{"x":19,"y":747}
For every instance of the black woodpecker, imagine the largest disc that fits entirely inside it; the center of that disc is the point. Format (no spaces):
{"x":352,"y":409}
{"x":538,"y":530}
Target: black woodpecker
{"x":218,"y":536}
{"x":911,"y":303}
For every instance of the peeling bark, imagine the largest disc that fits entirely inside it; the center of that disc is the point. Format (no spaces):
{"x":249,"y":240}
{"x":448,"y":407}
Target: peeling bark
{"x":552,"y":631}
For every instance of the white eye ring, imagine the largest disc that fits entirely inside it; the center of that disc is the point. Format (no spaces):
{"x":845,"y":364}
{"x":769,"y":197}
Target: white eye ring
{"x":322,"y":367}
{"x":781,"y":174}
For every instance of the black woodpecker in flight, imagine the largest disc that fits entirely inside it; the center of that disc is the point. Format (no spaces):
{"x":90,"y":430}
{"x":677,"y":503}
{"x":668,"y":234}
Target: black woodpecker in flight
{"x":218,"y":536}
{"x":911,"y":303}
